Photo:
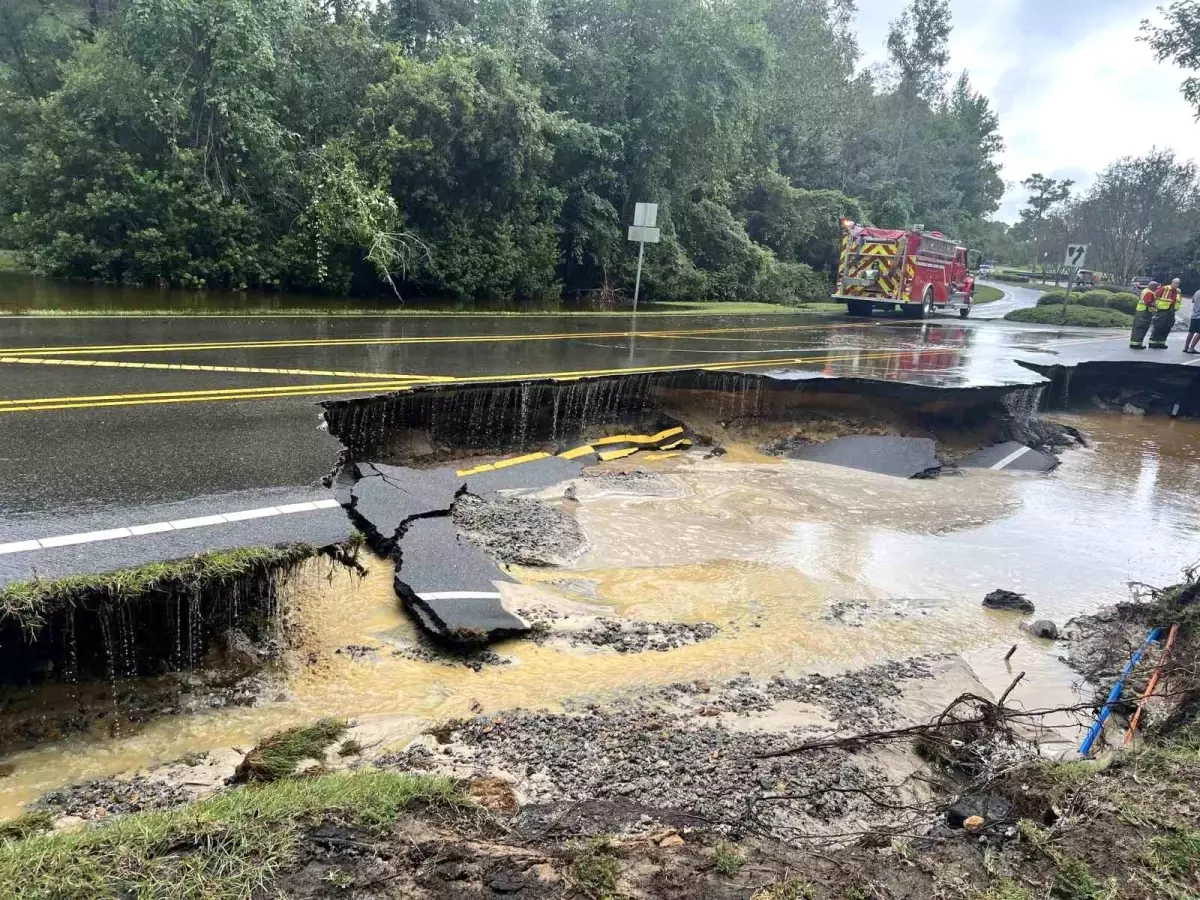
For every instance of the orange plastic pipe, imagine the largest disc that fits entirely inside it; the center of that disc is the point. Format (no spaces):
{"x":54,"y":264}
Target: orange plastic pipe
{"x":1137,"y":716}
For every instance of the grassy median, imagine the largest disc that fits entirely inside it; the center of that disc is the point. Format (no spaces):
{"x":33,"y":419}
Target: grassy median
{"x":229,"y":847}
{"x":1073,"y":315}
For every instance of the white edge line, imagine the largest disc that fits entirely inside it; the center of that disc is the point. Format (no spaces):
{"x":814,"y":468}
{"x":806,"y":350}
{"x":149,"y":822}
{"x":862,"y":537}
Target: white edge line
{"x":19,"y":547}
{"x":112,"y":534}
{"x":245,"y":514}
{"x":197,"y":522}
{"x":89,"y":537}
{"x":1011,"y":458}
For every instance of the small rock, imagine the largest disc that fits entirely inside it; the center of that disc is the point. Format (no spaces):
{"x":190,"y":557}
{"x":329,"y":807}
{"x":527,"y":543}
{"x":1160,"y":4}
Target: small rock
{"x":1002,"y":599}
{"x":974,"y":824}
{"x":1130,"y":410}
{"x":1044,"y":628}
{"x":506,"y":884}
{"x":987,"y":807}
{"x":571,"y":494}
{"x":671,"y":840}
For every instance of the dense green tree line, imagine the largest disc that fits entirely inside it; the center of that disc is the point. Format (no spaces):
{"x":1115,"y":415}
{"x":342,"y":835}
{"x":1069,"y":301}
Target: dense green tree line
{"x":475,"y":147}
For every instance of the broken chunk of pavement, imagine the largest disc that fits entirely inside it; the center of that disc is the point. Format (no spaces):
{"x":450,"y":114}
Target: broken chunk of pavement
{"x":1010,"y":456}
{"x":449,"y":586}
{"x":1009,"y":600}
{"x":902,"y":457}
{"x":528,"y":476}
{"x":384,"y":497}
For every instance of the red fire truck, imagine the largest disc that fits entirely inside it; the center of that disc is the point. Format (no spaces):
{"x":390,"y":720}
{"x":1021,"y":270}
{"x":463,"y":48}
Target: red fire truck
{"x":917,"y":272}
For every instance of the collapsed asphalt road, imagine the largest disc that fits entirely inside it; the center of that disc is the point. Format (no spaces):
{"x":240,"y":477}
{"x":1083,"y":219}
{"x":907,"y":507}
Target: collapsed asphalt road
{"x":118,"y":423}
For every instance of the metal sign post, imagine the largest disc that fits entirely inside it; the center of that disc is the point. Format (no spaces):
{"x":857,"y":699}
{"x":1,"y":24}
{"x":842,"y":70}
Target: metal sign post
{"x":1076,"y":257}
{"x":643,"y":230}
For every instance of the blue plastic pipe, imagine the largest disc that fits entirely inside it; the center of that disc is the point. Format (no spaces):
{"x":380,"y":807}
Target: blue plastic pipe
{"x":1114,"y":695}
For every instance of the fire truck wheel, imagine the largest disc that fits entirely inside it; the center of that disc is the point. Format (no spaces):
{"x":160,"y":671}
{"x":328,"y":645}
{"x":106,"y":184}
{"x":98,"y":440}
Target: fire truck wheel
{"x":859,"y":307}
{"x":964,"y":312}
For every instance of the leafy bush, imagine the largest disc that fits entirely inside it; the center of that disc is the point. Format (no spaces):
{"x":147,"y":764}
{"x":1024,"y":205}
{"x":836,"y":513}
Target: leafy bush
{"x":1099,"y":299}
{"x":1051,"y":298}
{"x":793,"y":284}
{"x":1074,"y":315}
{"x":1010,"y":279}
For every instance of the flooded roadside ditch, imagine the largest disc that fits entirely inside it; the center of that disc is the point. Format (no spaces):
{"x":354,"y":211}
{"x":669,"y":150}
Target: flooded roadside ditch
{"x":702,"y":565}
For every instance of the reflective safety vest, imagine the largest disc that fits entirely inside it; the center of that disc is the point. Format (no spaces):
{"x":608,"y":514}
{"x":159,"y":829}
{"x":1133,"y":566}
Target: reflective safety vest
{"x":1146,"y":301}
{"x":1168,"y":297}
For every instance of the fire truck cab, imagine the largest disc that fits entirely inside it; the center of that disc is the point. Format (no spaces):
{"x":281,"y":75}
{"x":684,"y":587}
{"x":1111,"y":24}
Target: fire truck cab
{"x":914,"y":271}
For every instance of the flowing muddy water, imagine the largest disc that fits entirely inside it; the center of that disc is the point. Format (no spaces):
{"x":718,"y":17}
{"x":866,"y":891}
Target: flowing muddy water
{"x":802,"y":566}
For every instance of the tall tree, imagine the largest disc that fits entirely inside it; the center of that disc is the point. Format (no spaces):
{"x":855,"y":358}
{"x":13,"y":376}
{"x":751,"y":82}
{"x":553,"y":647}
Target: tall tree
{"x":1179,"y":41}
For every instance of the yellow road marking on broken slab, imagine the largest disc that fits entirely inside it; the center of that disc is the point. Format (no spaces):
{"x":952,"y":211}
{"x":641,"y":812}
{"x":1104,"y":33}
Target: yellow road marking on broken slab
{"x":585,"y":450}
{"x":610,"y":455}
{"x":659,"y":457}
{"x":186,"y":367}
{"x":641,"y":439}
{"x":504,"y":464}
{"x":678,"y":444}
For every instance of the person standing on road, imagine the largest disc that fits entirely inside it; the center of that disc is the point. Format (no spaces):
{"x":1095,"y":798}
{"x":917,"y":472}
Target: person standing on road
{"x":1193,"y":338}
{"x":1143,"y":316}
{"x":1169,"y":298}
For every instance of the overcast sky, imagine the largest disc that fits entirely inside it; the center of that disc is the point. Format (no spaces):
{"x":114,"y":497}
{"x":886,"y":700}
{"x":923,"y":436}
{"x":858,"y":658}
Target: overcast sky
{"x":1073,"y":88}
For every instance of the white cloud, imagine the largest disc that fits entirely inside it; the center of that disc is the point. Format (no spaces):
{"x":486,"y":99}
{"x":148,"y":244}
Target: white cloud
{"x":1073,"y":86}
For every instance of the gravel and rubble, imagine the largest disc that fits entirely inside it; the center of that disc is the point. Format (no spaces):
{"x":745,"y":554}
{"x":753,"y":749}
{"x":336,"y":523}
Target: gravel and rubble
{"x":520,"y":530}
{"x":109,"y":796}
{"x":673,"y":749}
{"x":550,"y":626}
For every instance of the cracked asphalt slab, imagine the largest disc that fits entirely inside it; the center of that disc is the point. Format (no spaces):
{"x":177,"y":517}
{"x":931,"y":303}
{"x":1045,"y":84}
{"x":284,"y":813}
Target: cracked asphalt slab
{"x":80,"y":442}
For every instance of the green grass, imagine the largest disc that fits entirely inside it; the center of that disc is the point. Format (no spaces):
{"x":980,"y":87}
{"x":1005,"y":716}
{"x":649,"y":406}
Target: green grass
{"x":597,"y":871}
{"x":30,"y":601}
{"x":26,"y":825}
{"x":1007,"y":889}
{"x":9,"y":262}
{"x":746,"y":308}
{"x":1176,"y":854}
{"x":986,"y":294}
{"x":728,"y":859}
{"x":278,"y":755}
{"x":229,"y":847}
{"x":1073,"y":315}
{"x":789,"y":889}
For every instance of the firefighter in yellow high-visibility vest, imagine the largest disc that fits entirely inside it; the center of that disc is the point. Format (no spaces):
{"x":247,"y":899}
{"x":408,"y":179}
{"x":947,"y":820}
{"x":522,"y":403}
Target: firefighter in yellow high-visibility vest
{"x":1143,"y":316}
{"x":1168,"y":300}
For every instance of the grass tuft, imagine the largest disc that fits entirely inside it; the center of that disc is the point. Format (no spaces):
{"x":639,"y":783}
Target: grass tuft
{"x":597,"y":871}
{"x":789,"y":889}
{"x":26,"y":825}
{"x":1007,"y":889}
{"x":229,"y":847}
{"x":1176,"y":854}
{"x":728,"y":859}
{"x":278,"y":755}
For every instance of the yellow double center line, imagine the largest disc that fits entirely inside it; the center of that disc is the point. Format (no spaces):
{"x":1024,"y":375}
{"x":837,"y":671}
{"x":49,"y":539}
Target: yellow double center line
{"x":379,"y":341}
{"x":400,"y":383}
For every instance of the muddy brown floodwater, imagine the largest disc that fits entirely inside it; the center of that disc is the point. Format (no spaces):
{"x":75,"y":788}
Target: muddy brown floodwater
{"x":803,"y":567}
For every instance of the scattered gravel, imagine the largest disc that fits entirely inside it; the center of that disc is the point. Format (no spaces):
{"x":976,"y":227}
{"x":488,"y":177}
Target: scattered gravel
{"x":638,"y":637}
{"x":670,"y":750}
{"x":622,"y":635}
{"x":521,"y":531}
{"x":476,"y":660}
{"x":110,"y":796}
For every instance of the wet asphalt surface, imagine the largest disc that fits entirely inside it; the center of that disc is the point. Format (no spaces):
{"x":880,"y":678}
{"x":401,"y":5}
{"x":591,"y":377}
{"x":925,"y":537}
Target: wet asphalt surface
{"x":107,"y":421}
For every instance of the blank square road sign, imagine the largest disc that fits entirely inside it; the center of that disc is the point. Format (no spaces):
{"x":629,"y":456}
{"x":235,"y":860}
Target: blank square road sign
{"x":645,"y":215}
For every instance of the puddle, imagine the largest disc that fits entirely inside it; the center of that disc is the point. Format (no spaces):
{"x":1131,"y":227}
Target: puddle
{"x":762,"y":549}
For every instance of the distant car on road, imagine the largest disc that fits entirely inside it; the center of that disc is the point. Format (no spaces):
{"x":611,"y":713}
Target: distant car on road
{"x":985,"y":270}
{"x":1085,"y":279}
{"x":1141,"y":282}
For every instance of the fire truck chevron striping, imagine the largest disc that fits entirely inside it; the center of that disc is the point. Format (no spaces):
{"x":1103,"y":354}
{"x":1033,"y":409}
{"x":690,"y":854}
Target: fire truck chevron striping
{"x":914,"y":271}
